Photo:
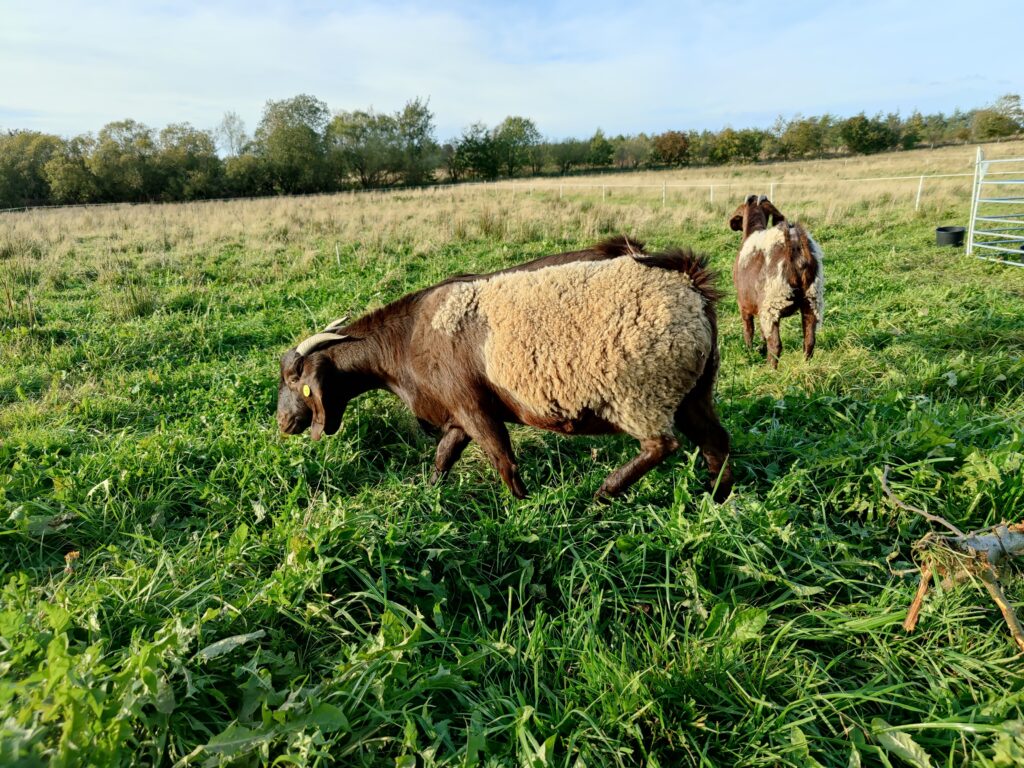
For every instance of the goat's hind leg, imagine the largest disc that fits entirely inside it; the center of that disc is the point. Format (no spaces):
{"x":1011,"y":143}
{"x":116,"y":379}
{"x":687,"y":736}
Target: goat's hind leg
{"x":810,"y":325}
{"x":653,"y":452}
{"x":774,"y":345}
{"x":696,"y":418}
{"x":748,"y":329}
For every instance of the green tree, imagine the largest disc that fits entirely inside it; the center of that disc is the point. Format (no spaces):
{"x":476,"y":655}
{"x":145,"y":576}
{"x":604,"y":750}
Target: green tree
{"x":290,"y":138}
{"x":804,"y":137}
{"x":23,"y":159}
{"x":538,"y":156}
{"x":68,"y":174}
{"x":749,"y":142}
{"x":453,"y":161}
{"x":513,"y":139}
{"x":912,"y":130}
{"x":633,"y":151}
{"x":1009,"y":106}
{"x":671,"y":148}
{"x":990,"y":124}
{"x":188,"y":163}
{"x":417,"y":145}
{"x":124,"y":162}
{"x":366,"y":144}
{"x":725,"y":146}
{"x":479,"y":151}
{"x":247,"y":175}
{"x":864,"y":135}
{"x":601,"y":150}
{"x":568,"y":154}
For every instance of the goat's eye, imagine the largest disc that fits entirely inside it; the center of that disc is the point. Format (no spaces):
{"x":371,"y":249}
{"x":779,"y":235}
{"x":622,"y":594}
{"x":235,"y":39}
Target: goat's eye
{"x":305,"y":390}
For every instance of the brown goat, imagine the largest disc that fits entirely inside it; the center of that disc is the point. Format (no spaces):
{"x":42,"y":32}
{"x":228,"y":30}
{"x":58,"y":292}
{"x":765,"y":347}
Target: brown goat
{"x":599,"y":341}
{"x":778,"y":271}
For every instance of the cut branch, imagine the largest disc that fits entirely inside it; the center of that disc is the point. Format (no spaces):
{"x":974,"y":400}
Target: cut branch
{"x":977,"y":553}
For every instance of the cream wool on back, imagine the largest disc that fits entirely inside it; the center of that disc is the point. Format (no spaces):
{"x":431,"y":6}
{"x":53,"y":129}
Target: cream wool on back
{"x":762,"y":241}
{"x":624,"y":340}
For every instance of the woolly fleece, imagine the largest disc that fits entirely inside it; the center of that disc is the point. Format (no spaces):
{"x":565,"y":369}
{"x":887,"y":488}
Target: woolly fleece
{"x":816,"y":293}
{"x":763,"y":241}
{"x":624,"y":340}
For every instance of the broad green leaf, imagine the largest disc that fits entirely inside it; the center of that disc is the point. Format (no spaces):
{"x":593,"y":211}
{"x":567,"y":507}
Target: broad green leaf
{"x":900,"y":744}
{"x":748,"y":623}
{"x":227,"y":645}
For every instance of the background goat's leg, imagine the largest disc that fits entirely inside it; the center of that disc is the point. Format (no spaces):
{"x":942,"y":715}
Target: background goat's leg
{"x":774,"y":346}
{"x":453,"y":442}
{"x":655,"y":449}
{"x":492,"y":435}
{"x":696,"y":418}
{"x":748,"y":330}
{"x":810,"y":322}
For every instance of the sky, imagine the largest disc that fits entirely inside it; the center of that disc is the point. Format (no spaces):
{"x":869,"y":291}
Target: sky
{"x":571,"y":67}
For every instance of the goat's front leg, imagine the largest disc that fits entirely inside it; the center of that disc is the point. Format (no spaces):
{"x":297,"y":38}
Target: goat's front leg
{"x":774,"y":345}
{"x":492,"y":435}
{"x":810,"y":324}
{"x":654,"y":450}
{"x":450,"y":447}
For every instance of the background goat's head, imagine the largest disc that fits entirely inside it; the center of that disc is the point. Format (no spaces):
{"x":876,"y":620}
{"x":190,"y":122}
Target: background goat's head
{"x":753,"y":214}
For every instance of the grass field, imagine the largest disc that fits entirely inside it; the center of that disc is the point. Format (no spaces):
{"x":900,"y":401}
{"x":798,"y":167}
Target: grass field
{"x":238,"y":597}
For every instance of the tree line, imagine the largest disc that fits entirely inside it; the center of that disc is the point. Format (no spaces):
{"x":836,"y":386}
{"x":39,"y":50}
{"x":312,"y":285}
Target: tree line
{"x":299,"y":146}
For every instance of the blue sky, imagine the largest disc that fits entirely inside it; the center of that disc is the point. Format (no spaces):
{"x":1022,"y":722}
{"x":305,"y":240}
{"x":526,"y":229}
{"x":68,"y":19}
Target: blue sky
{"x":570,"y":66}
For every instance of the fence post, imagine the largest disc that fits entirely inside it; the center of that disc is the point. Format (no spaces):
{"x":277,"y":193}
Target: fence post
{"x":771,"y":191}
{"x":603,"y":190}
{"x":920,"y":186}
{"x":711,"y":187}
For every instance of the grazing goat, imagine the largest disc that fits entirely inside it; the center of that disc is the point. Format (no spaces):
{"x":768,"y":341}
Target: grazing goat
{"x":778,"y":271}
{"x":606,"y":340}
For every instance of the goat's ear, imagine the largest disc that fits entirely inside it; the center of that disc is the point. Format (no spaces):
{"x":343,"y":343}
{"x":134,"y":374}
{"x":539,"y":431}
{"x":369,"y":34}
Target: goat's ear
{"x":736,"y":220}
{"x":312,"y":383}
{"x":771,"y":212}
{"x":291,"y":366}
{"x":314,"y":395}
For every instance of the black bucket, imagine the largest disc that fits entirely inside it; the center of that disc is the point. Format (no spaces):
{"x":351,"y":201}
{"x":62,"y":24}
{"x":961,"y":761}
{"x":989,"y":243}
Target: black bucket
{"x":949,"y":236}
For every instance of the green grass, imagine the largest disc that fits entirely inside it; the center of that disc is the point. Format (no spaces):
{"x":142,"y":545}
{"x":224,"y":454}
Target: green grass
{"x":248,"y":599}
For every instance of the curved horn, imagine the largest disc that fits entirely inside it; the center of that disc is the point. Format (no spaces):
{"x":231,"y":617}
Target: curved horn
{"x":335,"y":324}
{"x":316,"y":341}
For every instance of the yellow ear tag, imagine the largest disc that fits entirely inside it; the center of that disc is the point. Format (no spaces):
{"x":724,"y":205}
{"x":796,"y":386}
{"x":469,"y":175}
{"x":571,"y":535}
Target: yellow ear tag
{"x":305,"y":389}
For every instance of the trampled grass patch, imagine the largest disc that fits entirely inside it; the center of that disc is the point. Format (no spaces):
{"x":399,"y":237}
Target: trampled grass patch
{"x":243,"y":598}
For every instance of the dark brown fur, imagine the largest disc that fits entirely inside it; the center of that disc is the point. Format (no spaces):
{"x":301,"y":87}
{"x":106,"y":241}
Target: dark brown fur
{"x":441,"y":380}
{"x":800,"y":270}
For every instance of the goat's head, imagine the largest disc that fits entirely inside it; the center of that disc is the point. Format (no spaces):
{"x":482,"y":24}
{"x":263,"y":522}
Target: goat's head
{"x":311,"y":390}
{"x":753,"y":214}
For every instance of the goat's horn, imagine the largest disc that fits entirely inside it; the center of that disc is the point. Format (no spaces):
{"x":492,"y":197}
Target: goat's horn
{"x":335,"y":324}
{"x":762,"y":198}
{"x":316,"y":341}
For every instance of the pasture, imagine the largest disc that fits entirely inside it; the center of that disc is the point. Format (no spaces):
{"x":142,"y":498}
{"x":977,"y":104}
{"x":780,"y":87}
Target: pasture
{"x":180,"y":585}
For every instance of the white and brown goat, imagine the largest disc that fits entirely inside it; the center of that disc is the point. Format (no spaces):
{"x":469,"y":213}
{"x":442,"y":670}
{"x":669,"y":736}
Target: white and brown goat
{"x":778,"y":272}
